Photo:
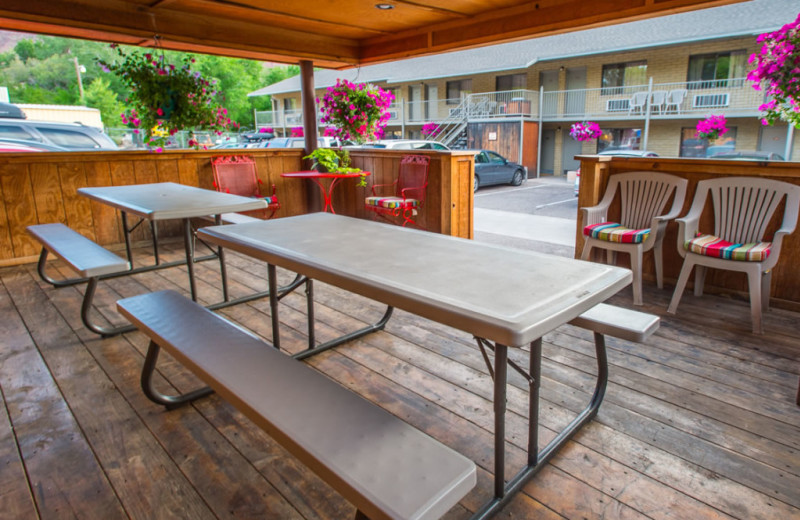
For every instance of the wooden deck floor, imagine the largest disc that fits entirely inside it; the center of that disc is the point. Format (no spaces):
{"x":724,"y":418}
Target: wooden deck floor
{"x":698,"y":423}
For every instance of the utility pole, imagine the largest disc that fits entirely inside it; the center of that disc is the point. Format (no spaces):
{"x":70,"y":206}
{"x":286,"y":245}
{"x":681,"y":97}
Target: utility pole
{"x":78,"y":69}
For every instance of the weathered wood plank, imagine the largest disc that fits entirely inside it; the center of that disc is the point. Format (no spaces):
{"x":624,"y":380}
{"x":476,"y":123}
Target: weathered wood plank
{"x":20,"y":208}
{"x":63,"y":472}
{"x":141,"y":472}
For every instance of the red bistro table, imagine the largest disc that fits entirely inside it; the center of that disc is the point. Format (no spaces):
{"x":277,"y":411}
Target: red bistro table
{"x":327,"y":193}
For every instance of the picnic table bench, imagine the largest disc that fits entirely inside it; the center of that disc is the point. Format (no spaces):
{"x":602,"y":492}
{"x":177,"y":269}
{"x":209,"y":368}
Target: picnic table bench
{"x":90,"y":260}
{"x":385,"y":467}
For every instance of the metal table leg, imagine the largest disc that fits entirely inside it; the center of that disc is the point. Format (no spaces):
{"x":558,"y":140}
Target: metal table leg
{"x":504,"y":492}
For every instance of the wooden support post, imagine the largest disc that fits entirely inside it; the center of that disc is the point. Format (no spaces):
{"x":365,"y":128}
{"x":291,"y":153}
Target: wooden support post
{"x":309,"y":106}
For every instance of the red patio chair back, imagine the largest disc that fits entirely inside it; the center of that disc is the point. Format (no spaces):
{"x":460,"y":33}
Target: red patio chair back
{"x":408,"y":191}
{"x":237,"y":174}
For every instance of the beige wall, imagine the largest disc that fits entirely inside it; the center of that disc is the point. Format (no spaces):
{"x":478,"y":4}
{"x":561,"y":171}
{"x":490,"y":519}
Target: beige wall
{"x":664,"y":64}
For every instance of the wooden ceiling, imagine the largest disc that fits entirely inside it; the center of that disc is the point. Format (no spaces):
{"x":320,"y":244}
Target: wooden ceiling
{"x":331,"y":33}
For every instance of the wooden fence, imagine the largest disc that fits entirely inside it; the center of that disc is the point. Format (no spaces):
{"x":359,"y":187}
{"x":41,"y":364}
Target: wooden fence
{"x":38,"y":188}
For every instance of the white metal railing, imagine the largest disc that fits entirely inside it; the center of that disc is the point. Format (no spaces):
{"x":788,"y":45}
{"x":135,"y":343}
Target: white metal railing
{"x":731,"y":97}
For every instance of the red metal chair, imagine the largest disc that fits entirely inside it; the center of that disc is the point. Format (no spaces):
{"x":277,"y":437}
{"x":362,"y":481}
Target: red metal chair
{"x":408,"y":192}
{"x":237,"y":174}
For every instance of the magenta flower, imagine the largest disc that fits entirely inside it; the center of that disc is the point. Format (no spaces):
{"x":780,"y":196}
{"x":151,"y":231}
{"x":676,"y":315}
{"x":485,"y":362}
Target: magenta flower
{"x":712,"y":127}
{"x":355,"y":112}
{"x":586,"y":131}
{"x":776,"y":73}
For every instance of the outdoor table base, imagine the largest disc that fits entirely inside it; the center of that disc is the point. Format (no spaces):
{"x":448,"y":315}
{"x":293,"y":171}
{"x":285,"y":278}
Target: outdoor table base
{"x":531,"y":296}
{"x":327,"y":193}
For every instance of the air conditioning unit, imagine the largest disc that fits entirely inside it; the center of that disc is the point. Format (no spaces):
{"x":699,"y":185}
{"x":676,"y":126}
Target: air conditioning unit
{"x":392,"y":114}
{"x":711,"y":100}
{"x":617,"y":105}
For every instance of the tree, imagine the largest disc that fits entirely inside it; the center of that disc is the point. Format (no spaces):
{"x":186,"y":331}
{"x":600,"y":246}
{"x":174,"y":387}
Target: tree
{"x":100,"y":96}
{"x":42,"y":70}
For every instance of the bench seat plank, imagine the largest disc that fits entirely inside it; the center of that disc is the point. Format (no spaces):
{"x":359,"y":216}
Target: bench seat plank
{"x":618,"y":322}
{"x":384,"y":466}
{"x":84,"y":256}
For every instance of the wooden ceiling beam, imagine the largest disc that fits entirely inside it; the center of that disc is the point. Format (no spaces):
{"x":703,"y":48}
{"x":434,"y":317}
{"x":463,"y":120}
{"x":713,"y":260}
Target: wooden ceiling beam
{"x":530,"y":20}
{"x":248,"y":29}
{"x":177,"y":29}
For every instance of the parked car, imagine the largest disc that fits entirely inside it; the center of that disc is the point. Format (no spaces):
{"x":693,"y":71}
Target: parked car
{"x":748,"y":155}
{"x":406,"y":144}
{"x":618,"y":152}
{"x":24,"y":145}
{"x":626,"y":152}
{"x":492,"y":168}
{"x":297,"y":142}
{"x":68,"y":136}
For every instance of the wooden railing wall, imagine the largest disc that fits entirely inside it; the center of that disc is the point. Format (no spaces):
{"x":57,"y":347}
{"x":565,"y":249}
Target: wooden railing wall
{"x":39,"y":188}
{"x":595,"y":172}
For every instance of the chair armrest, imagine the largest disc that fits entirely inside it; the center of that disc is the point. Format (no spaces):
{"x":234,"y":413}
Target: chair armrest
{"x":594,"y":214}
{"x":404,"y":194}
{"x":375,"y":194}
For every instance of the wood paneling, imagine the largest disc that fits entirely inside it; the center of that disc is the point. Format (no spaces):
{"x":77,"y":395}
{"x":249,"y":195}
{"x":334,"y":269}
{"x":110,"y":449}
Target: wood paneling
{"x":43,"y":189}
{"x":595,"y":172}
{"x":334,"y":34}
{"x":506,"y":140}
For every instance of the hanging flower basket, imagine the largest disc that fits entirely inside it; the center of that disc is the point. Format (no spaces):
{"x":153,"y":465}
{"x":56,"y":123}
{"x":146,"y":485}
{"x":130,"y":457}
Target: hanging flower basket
{"x":356,"y":112}
{"x":712,"y":127}
{"x":777,"y":71}
{"x":586,"y":131}
{"x":166,"y":98}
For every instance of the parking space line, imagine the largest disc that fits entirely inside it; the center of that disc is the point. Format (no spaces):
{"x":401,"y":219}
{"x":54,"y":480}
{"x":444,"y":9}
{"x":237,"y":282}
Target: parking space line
{"x":554,"y":203}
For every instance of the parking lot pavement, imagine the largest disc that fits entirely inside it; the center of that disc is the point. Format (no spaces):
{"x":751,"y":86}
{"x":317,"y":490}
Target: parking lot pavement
{"x":540,"y":215}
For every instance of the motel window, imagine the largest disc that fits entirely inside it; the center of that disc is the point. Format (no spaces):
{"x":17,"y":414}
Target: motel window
{"x":717,"y":70}
{"x":692,"y":146}
{"x":511,"y":82}
{"x":618,"y":75}
{"x":457,"y":90}
{"x":619,"y":139}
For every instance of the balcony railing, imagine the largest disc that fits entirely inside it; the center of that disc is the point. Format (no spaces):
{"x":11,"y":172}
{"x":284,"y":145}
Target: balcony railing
{"x":662,"y":100}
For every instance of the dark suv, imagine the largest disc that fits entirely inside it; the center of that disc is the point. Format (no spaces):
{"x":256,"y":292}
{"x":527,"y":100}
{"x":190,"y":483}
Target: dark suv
{"x":70,"y":136}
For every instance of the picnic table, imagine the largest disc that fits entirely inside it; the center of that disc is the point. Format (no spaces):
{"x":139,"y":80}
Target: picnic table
{"x":506,"y":298}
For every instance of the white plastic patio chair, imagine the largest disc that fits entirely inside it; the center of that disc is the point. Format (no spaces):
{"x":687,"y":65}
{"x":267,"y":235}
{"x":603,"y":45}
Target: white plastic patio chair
{"x":743,"y":208}
{"x":658,"y":101}
{"x":637,"y":102}
{"x":642,"y":224}
{"x":675,"y":99}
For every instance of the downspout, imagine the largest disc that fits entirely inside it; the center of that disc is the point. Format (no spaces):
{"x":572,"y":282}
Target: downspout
{"x":541,"y":121}
{"x":787,"y":153}
{"x":647,"y":114}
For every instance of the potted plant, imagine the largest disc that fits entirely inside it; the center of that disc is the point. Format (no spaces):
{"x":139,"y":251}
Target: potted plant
{"x":777,"y":70}
{"x":356,"y":112}
{"x":585,"y":131}
{"x":166,"y":98}
{"x":334,"y":161}
{"x":711,"y":127}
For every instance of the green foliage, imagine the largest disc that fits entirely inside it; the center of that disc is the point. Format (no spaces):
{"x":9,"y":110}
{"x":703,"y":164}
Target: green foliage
{"x":42,"y":70}
{"x":334,"y":161}
{"x":100,"y":96}
{"x":167,"y":98}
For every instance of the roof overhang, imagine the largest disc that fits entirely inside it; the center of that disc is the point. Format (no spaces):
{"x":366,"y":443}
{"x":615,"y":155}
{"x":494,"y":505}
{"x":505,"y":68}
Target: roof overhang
{"x":339,"y":34}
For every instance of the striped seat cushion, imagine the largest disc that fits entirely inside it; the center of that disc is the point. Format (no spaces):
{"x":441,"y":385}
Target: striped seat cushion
{"x":613,"y":232}
{"x":392,"y":202}
{"x":709,"y":245}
